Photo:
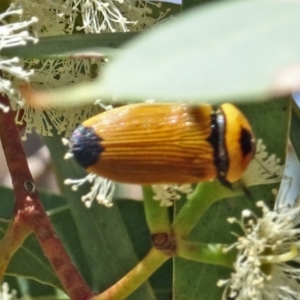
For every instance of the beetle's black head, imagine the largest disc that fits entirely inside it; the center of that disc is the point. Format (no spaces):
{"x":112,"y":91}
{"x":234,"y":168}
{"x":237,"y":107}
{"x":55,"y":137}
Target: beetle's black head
{"x":85,"y":146}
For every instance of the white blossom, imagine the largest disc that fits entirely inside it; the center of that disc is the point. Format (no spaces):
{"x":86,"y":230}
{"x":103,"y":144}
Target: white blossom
{"x":102,"y":189}
{"x":267,"y":265}
{"x":55,"y":17}
{"x":116,"y":15}
{"x":167,"y":194}
{"x":11,"y":35}
{"x":6,"y":294}
{"x":265,"y":168}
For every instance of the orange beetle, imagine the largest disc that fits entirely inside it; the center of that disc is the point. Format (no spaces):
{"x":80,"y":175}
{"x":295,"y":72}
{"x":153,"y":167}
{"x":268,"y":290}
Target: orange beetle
{"x":165,"y":143}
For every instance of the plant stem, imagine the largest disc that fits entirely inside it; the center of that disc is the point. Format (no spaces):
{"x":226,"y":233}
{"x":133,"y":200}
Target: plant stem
{"x":204,"y":195}
{"x":156,"y":215}
{"x":140,"y":273}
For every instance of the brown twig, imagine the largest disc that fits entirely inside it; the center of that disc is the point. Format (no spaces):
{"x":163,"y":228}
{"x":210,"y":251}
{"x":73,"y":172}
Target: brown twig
{"x":29,"y":212}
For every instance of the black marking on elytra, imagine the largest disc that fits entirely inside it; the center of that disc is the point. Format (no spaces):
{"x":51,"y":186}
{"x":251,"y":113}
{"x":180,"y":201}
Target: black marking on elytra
{"x":246,"y":142}
{"x":217,"y":140}
{"x":85,"y":146}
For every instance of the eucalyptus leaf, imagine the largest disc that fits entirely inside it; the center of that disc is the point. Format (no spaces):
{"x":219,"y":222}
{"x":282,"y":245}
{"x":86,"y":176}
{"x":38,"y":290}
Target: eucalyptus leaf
{"x":230,"y":50}
{"x":71,"y":46}
{"x":187,"y":4}
{"x":37,"y":290}
{"x":29,"y":261}
{"x":4,"y":4}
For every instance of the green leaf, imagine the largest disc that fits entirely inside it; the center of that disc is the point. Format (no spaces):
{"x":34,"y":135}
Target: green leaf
{"x":4,"y":4}
{"x":187,"y":4}
{"x":61,"y":219}
{"x":30,"y":262}
{"x":36,"y":290}
{"x":71,"y":46}
{"x":230,"y":50}
{"x":7,"y":203}
{"x":195,"y":281}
